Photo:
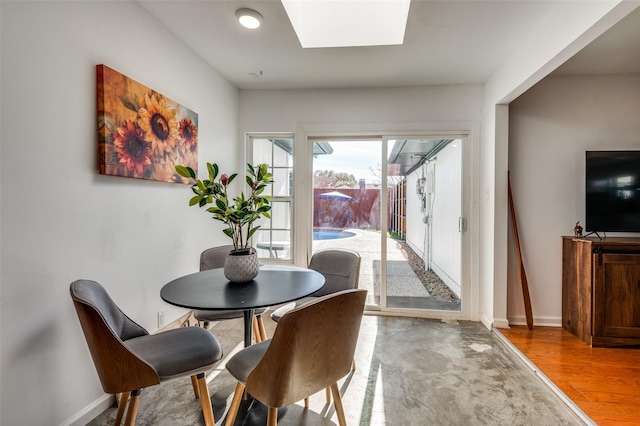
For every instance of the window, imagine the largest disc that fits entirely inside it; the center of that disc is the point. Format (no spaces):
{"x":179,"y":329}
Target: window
{"x":273,"y":240}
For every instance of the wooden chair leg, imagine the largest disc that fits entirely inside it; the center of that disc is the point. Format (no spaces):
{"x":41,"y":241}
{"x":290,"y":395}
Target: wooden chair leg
{"x":353,"y":365}
{"x":205,"y":400}
{"x":327,"y":392}
{"x":256,"y":330}
{"x":194,"y":384}
{"x":132,"y":411}
{"x":272,"y":416}
{"x":122,"y":405}
{"x":235,"y":404}
{"x":306,"y":402}
{"x":337,"y":402}
{"x":205,"y":325}
{"x":263,"y":332}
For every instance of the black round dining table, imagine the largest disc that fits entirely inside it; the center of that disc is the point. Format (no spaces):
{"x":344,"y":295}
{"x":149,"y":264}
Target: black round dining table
{"x":211,"y":290}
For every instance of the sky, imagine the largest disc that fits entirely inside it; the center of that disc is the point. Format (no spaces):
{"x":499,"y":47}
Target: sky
{"x":353,"y":158}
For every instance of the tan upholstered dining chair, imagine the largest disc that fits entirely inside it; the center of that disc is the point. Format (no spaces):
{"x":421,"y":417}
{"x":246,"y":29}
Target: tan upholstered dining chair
{"x":214,"y":258}
{"x":341,"y":271}
{"x":127,"y":358}
{"x":312,"y":348}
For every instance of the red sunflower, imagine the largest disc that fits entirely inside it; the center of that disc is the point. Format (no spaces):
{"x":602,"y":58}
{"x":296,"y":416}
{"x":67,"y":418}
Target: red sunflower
{"x":188,"y":133}
{"x":133,"y":150}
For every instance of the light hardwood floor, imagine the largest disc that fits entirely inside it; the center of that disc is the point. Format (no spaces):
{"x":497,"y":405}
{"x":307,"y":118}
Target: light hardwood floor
{"x":603,"y":382}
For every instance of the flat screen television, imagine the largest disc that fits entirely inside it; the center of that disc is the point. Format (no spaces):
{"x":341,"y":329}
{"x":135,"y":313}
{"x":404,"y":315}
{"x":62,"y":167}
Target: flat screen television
{"x":612,"y":199}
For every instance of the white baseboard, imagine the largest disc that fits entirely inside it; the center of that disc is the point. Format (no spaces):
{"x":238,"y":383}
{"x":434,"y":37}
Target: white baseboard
{"x":91,"y":411}
{"x":542,"y":321}
{"x":500,"y":323}
{"x":486,"y":321}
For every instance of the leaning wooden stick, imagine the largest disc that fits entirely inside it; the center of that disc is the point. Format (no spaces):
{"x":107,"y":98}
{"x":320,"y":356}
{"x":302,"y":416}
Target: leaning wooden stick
{"x":523,"y":275}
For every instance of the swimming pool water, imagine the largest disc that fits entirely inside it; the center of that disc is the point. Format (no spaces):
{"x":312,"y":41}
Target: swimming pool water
{"x":332,"y":234}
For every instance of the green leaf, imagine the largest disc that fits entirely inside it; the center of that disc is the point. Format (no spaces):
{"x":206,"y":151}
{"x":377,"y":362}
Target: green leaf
{"x":228,"y":232}
{"x":185,"y":171}
{"x":194,"y":200}
{"x":221,"y":205}
{"x":252,"y":231}
{"x":232,"y":177}
{"x":213,"y":170}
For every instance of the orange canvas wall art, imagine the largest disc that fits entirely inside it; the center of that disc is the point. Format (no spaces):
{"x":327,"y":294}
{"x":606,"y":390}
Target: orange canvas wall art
{"x":141,"y":133}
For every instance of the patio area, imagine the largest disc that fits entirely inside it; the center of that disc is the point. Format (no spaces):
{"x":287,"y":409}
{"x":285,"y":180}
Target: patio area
{"x":405,"y":290}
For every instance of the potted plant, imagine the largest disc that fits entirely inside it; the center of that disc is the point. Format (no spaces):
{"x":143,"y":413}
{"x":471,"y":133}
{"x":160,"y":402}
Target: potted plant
{"x":238,"y":213}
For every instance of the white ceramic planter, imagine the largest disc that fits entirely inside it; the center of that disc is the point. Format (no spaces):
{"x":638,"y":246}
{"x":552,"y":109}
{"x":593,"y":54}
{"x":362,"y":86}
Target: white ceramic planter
{"x":241,"y":268}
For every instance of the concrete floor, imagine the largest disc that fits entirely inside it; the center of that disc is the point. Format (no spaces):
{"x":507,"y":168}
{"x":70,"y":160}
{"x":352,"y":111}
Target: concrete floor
{"x":409,"y":372}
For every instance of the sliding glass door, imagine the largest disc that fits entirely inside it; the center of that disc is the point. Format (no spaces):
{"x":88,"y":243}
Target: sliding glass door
{"x":397,"y":202}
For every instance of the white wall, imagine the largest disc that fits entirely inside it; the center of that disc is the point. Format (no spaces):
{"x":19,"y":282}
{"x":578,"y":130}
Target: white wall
{"x":61,"y":220}
{"x":551,"y":127}
{"x":284,"y":110}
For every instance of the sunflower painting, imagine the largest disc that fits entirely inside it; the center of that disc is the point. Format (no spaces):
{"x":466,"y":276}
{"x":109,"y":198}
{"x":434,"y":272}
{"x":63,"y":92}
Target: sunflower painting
{"x":141,"y":133}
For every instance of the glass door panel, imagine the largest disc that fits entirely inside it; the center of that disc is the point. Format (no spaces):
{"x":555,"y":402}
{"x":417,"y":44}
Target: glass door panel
{"x":346,"y":205}
{"x":424,"y":245}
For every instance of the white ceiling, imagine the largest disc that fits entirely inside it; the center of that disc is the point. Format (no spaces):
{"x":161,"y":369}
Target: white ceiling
{"x":446,"y":42}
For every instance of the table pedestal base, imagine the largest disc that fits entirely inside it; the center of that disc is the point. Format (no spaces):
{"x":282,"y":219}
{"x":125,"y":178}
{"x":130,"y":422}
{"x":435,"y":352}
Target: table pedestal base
{"x":251,"y":411}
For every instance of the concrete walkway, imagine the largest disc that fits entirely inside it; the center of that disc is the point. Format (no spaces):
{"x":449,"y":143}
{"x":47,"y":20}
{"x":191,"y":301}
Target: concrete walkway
{"x":402,"y":282}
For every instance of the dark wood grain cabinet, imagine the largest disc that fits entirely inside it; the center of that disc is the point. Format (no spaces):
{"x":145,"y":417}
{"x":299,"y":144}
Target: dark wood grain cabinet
{"x":601,"y":290}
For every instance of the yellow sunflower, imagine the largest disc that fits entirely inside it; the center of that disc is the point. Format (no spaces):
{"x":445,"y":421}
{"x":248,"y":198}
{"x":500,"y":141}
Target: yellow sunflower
{"x":158,"y":120}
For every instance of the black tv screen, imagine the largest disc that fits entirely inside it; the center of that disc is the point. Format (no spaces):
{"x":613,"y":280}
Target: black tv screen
{"x":612,"y":191}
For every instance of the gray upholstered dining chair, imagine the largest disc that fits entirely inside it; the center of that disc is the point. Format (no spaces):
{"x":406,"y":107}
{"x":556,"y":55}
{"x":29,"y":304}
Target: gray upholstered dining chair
{"x":341,"y":271}
{"x":214,"y":258}
{"x":127,"y":358}
{"x":303,"y":357}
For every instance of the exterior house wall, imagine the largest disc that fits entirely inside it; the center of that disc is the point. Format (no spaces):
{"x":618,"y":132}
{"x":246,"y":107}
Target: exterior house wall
{"x":443,"y":207}
{"x":447,"y":210}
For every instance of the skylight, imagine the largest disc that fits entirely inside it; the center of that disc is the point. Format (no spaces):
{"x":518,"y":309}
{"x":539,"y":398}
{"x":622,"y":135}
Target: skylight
{"x":343,"y":23}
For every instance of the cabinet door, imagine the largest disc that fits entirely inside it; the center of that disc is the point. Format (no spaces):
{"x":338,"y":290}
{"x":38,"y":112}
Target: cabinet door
{"x":616,"y":301}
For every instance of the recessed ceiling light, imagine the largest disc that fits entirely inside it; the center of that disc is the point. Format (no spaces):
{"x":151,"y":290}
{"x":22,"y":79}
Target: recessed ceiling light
{"x":333,"y":23}
{"x":249,"y":18}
